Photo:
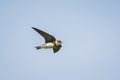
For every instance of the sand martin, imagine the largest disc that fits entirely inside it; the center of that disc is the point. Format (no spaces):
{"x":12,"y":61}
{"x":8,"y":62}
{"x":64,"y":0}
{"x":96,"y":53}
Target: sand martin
{"x":50,"y":41}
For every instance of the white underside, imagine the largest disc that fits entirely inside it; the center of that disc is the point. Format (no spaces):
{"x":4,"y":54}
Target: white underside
{"x":47,"y":45}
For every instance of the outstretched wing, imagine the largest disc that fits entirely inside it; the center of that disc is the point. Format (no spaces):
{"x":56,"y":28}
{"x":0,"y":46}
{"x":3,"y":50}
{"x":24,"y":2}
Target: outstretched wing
{"x":47,"y":37}
{"x":57,"y":48}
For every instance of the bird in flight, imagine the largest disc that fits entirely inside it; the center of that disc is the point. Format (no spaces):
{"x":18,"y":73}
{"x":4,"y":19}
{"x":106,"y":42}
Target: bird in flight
{"x":50,"y":41}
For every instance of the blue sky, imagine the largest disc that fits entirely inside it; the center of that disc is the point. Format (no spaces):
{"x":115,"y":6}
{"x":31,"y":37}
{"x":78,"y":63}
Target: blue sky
{"x":89,"y":29}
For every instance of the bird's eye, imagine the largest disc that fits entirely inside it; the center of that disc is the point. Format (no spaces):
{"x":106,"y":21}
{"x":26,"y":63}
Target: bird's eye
{"x":59,"y":41}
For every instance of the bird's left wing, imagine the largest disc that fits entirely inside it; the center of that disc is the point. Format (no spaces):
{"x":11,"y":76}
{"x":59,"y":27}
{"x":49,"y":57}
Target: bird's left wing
{"x":47,"y":37}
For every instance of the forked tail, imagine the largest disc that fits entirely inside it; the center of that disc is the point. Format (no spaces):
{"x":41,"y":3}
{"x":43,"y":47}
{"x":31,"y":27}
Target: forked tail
{"x":38,"y":47}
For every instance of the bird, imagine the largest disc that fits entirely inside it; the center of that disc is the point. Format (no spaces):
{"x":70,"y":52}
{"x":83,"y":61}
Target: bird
{"x":50,"y":41}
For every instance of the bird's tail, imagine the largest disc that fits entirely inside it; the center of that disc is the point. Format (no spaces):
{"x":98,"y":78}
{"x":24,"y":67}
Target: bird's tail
{"x":38,"y":47}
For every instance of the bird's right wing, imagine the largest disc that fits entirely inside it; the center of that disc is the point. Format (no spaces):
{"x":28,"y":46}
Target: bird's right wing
{"x":47,"y":37}
{"x":56,"y":48}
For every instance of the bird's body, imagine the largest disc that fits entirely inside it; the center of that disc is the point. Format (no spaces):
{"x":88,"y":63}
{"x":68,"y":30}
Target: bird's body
{"x":50,"y":41}
{"x":45,"y":46}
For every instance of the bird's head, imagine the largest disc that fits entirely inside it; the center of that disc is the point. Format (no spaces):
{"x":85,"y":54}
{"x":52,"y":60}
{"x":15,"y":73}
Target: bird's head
{"x":58,"y":42}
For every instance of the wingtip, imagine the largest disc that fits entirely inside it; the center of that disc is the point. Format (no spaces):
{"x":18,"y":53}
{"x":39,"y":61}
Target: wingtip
{"x":55,"y":51}
{"x":32,"y":27}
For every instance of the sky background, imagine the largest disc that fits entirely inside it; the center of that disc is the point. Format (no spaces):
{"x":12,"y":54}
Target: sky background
{"x":89,"y":30}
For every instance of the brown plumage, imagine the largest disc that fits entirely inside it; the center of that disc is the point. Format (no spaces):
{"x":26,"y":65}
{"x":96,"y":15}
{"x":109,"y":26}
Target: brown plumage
{"x":49,"y":39}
